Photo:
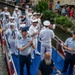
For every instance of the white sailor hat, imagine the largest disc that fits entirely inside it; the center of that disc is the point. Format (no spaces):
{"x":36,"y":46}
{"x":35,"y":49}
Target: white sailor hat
{"x":11,"y":17}
{"x":46,"y":23}
{"x":12,"y":24}
{"x":16,"y":8}
{"x":38,"y":13}
{"x":34,"y":13}
{"x":34,"y":20}
{"x":29,"y":14}
{"x":5,"y":7}
{"x":7,"y":13}
{"x":22,"y":25}
{"x":27,"y":6}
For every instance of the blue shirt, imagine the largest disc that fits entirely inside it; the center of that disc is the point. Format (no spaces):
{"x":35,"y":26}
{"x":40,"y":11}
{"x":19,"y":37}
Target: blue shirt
{"x":23,"y":42}
{"x":71,"y":44}
{"x":57,"y":6}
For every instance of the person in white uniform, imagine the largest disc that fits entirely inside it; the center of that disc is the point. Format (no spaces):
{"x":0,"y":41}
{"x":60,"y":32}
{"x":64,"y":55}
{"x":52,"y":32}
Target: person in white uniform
{"x":5,"y":11}
{"x":12,"y":36}
{"x":16,"y":15}
{"x":45,"y":36}
{"x":11,"y":20}
{"x":34,"y":33}
{"x":28,"y":20}
{"x":26,"y":11}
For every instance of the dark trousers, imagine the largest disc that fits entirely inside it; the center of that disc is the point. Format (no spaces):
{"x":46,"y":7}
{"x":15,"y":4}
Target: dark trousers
{"x":25,"y":60}
{"x":69,"y":59}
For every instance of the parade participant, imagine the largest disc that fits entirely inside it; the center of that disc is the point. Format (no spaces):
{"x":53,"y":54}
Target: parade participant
{"x":45,"y":36}
{"x":69,"y":46}
{"x":33,"y":31}
{"x":5,"y":21}
{"x":46,"y":65}
{"x":27,"y":8}
{"x":24,"y":45}
{"x":16,"y":15}
{"x":28,"y":20}
{"x":18,"y":9}
{"x":5,"y":11}
{"x":11,"y":20}
{"x":12,"y":35}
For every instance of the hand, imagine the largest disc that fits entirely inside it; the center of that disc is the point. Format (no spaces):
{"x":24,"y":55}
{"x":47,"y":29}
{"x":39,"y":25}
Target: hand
{"x":59,"y":72}
{"x":72,"y":50}
{"x":31,"y":42}
{"x":37,"y":32}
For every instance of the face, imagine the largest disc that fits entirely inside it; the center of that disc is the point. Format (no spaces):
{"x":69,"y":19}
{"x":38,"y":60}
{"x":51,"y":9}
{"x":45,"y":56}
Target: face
{"x":11,"y":20}
{"x":16,"y":11}
{"x":73,"y":35}
{"x":7,"y":16}
{"x":35,"y":24}
{"x":47,"y":60}
{"x":12,"y":27}
{"x":51,"y":26}
{"x":5,"y":10}
{"x":24,"y":34}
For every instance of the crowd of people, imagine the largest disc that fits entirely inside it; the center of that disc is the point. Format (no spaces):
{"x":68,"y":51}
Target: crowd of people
{"x":64,"y":10}
{"x":21,"y":3}
{"x":23,"y":32}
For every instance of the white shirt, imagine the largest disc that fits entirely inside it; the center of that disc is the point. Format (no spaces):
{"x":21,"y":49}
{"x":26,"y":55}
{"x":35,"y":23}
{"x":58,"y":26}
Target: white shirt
{"x":10,"y":36}
{"x":28,"y":21}
{"x":32,"y":30}
{"x":46,"y":35}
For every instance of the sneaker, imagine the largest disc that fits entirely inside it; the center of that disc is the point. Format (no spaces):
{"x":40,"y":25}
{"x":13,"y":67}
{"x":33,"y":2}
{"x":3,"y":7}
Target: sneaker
{"x":38,"y":53}
{"x":32,"y":57}
{"x":63,"y":70}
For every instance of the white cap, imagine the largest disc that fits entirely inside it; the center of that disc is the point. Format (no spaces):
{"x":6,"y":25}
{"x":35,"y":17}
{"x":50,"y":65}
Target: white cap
{"x":46,"y":23}
{"x":30,"y":8}
{"x":34,"y":20}
{"x":5,"y":7}
{"x":22,"y":25}
{"x":11,"y":17}
{"x":7,"y":13}
{"x":27,"y":6}
{"x":16,"y":8}
{"x":12,"y":24}
{"x":34,"y":13}
{"x":29,"y":14}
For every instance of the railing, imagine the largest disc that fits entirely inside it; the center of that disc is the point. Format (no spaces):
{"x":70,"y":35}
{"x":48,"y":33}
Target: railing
{"x":10,"y":64}
{"x":57,"y":43}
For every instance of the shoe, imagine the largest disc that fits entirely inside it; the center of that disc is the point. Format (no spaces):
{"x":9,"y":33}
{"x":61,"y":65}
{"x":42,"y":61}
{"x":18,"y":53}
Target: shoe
{"x":38,"y":53}
{"x":31,"y":62}
{"x":63,"y":70}
{"x":32,"y":57}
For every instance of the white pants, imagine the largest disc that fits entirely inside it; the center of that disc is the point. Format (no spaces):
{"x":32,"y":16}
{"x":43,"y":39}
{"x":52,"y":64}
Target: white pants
{"x":35,"y":42}
{"x":46,"y":47}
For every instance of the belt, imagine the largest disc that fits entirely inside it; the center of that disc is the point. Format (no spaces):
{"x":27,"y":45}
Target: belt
{"x":70,"y":53}
{"x":25,"y":55}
